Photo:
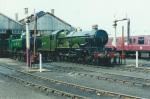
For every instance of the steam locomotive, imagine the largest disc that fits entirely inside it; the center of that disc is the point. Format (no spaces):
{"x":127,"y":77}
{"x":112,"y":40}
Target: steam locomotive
{"x":86,"y":47}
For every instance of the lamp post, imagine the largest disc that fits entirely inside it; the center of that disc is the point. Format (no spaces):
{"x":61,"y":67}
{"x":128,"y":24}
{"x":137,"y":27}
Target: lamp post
{"x":27,"y":39}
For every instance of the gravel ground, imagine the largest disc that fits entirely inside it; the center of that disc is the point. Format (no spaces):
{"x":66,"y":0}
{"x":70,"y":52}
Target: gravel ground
{"x":97,"y":71}
{"x":9,"y":89}
{"x":99,"y":84}
{"x":142,"y":62}
{"x":91,"y":82}
{"x":17,"y":91}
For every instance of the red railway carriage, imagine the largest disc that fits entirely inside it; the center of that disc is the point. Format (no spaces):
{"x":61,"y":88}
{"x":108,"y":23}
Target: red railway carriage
{"x":137,"y":43}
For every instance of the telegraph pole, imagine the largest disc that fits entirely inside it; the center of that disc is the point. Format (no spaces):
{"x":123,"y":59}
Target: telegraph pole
{"x":115,"y":25}
{"x":27,"y":39}
{"x":128,"y":31}
{"x":35,"y":32}
{"x":122,"y":45}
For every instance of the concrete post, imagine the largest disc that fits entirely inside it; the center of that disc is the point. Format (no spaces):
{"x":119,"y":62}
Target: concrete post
{"x":27,"y":44}
{"x":136,"y":58}
{"x":40,"y":64}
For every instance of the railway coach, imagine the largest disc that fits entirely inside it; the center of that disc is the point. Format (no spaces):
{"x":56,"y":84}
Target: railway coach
{"x":139,"y":43}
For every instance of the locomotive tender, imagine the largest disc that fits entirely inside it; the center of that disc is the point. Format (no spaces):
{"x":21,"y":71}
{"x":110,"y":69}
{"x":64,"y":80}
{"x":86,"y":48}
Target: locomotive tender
{"x":62,"y":45}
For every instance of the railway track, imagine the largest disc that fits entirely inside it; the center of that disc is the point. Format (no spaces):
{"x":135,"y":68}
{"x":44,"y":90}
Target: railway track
{"x":129,"y":68}
{"x":139,"y":69}
{"x":62,"y":88}
{"x":46,"y":89}
{"x":127,"y":80}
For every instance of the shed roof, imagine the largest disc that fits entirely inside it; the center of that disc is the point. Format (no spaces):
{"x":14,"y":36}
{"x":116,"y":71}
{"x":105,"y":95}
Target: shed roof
{"x":41,"y":14}
{"x":10,"y":19}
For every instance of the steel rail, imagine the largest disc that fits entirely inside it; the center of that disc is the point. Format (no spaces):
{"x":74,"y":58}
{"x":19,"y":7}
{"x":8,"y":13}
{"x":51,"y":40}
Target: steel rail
{"x":83,"y":88}
{"x":131,"y":68}
{"x":46,"y":89}
{"x":99,"y":77}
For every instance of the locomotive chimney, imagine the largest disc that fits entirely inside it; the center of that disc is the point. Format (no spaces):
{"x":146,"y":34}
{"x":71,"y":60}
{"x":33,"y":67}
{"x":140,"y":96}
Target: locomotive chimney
{"x":95,"y":27}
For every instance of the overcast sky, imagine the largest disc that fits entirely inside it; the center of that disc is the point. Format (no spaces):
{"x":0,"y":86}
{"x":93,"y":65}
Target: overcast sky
{"x":85,"y":13}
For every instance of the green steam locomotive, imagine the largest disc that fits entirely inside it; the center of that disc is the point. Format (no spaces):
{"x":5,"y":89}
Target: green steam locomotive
{"x":62,"y":45}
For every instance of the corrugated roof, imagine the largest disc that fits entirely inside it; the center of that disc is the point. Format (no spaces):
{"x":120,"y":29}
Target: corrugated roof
{"x":41,"y":14}
{"x":58,"y":19}
{"x":10,"y":19}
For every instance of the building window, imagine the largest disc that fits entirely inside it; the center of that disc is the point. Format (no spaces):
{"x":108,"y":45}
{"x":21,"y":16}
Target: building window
{"x":140,"y":40}
{"x":134,"y":40}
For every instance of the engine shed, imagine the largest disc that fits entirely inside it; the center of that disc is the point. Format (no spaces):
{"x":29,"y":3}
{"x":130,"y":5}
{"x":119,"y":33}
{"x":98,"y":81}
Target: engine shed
{"x":46,"y":23}
{"x":43,"y":23}
{"x":8,"y":27}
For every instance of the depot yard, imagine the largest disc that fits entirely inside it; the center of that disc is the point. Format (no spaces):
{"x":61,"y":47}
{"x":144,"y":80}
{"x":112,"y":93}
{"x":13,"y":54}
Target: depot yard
{"x":119,"y":80}
{"x":10,"y":89}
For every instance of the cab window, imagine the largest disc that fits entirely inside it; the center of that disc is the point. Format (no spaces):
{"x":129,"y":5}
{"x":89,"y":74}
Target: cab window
{"x":140,"y":40}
